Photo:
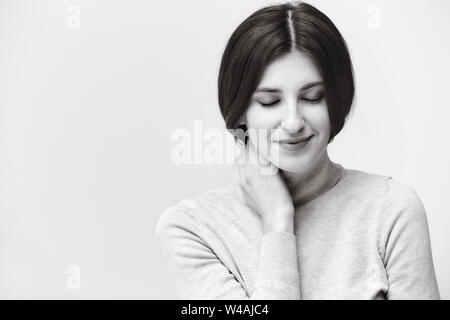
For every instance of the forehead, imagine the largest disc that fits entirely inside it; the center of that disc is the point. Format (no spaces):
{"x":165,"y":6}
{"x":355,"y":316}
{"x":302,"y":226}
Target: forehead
{"x":290,"y":71}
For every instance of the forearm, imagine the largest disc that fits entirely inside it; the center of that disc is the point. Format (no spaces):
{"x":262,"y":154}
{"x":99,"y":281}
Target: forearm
{"x":278,"y":272}
{"x":278,"y":277}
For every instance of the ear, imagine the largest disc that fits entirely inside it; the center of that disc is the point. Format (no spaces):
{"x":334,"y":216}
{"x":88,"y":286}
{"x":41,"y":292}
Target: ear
{"x":241,"y":133}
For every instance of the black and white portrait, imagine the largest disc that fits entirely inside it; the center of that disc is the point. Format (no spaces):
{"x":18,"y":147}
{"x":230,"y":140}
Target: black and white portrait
{"x":225,"y":150}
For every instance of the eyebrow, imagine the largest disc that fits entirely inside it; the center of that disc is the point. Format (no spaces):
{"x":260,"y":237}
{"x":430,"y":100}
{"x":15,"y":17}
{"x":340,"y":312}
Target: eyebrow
{"x":306,"y":86}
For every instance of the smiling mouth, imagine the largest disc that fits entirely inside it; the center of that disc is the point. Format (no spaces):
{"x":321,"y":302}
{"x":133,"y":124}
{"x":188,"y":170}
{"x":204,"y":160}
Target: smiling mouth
{"x":294,"y":141}
{"x":295,"y":145}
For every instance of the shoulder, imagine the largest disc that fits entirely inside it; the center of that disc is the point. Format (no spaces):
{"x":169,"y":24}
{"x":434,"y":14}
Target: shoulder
{"x":384,"y":186}
{"x":402,"y":195}
{"x":392,"y":194}
{"x":360,"y":190}
{"x":402,"y":216}
{"x":365,"y":181}
{"x":179,"y":214}
{"x":386,"y":204}
{"x":193,"y":212}
{"x":380,"y":199}
{"x":404,"y":207}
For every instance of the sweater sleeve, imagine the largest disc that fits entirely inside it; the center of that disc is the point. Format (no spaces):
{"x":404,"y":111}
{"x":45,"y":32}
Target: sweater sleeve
{"x":198,"y":273}
{"x":408,"y":258}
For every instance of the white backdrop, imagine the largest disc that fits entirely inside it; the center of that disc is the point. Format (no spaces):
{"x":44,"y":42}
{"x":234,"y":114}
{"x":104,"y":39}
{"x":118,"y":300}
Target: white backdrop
{"x":91,"y":91}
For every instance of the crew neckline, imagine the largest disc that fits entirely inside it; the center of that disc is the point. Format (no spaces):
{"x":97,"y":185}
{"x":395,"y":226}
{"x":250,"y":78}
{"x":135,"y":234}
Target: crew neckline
{"x":339,"y":182}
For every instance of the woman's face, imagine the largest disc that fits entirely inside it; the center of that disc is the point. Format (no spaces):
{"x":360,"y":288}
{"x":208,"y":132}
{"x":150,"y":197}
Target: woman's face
{"x":289,"y":103}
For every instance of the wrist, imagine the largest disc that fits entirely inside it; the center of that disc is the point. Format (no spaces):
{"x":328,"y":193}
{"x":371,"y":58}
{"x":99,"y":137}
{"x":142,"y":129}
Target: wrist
{"x":279,"y":224}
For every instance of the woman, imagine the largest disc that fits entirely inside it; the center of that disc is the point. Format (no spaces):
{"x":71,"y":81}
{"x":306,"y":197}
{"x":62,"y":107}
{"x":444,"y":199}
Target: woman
{"x":313,"y":229}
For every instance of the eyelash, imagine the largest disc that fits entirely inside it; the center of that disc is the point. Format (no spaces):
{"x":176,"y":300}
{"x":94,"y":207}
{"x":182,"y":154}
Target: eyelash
{"x":307,"y":100}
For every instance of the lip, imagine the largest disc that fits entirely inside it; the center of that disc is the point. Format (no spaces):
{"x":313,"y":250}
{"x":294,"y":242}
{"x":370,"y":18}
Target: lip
{"x":295,"y":144}
{"x":294,"y":140}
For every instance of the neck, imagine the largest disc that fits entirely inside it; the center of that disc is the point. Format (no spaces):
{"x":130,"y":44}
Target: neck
{"x":306,"y":185}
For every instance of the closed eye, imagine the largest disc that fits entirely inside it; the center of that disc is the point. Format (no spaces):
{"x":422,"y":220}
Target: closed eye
{"x":315,"y":100}
{"x":269,"y":104}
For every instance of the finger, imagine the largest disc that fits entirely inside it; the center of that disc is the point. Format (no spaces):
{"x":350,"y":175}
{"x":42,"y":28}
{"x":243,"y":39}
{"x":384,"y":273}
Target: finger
{"x":263,"y":165}
{"x":258,"y":156}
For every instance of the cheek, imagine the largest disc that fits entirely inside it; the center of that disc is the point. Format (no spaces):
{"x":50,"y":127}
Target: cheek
{"x":257,"y":117}
{"x":319,"y":120}
{"x":260,"y":123}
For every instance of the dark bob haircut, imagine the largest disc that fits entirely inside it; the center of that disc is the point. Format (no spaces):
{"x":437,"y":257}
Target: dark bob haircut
{"x":272,"y":32}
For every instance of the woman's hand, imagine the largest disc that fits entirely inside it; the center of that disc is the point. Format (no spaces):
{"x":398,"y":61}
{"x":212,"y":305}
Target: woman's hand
{"x":266,"y":193}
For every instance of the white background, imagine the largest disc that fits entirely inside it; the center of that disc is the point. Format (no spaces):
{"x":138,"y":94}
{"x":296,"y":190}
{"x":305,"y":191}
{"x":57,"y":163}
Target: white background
{"x":88,"y":107}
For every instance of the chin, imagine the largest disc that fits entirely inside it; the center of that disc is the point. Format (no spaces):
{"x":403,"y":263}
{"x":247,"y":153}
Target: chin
{"x":292,"y":165}
{"x":290,"y":161}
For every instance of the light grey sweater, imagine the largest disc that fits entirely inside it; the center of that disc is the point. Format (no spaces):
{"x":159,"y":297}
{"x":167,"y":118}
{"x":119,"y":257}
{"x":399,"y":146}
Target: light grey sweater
{"x":365,"y":238}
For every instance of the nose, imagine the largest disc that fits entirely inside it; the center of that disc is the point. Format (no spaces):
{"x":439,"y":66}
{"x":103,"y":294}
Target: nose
{"x":293,"y":120}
